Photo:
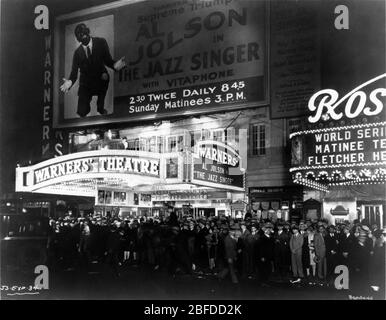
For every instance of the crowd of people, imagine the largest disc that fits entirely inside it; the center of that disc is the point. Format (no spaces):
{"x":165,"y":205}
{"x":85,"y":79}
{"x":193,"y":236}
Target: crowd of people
{"x":306,"y":252}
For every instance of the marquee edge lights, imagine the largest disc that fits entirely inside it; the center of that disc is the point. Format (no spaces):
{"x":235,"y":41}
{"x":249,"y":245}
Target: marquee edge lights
{"x":351,"y":176}
{"x":312,"y":184}
{"x":325,"y":188}
{"x":330,"y":166}
{"x":354,"y":126}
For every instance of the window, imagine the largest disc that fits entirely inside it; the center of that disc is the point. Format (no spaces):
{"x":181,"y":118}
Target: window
{"x":180,"y":144}
{"x":373,"y":215}
{"x":205,"y":134}
{"x":159,"y":144}
{"x":143,"y":144}
{"x":196,"y":136}
{"x":231,"y":137}
{"x":175,"y":143}
{"x":259,"y":139}
{"x":172,"y":144}
{"x":133,"y":144}
{"x":153,"y":144}
{"x":218,"y":135}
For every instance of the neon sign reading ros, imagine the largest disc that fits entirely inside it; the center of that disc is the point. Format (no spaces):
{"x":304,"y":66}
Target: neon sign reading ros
{"x":328,"y":102}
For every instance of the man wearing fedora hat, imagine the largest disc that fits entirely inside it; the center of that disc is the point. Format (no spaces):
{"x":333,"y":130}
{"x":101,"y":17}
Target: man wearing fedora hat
{"x":255,"y":235}
{"x":282,"y":251}
{"x":112,"y":249}
{"x":296,"y":246}
{"x":229,"y":252}
{"x":346,"y":240}
{"x":266,"y":253}
{"x":360,"y":257}
{"x":320,"y":253}
{"x":246,"y":246}
{"x":331,"y":241}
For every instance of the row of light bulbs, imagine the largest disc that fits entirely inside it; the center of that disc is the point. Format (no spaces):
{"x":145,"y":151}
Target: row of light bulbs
{"x":330,"y":166}
{"x":312,"y":184}
{"x":355,"y":126}
{"x":335,"y":175}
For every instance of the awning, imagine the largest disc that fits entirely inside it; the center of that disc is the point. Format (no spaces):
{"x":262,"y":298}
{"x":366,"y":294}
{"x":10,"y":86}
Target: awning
{"x":360,"y":193}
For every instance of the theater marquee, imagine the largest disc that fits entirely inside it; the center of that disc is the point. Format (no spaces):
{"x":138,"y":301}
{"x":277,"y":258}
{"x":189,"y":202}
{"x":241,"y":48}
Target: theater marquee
{"x":83,"y":173}
{"x":345,"y":141}
{"x":183,"y":57}
{"x":217,"y":165}
{"x":86,"y":173}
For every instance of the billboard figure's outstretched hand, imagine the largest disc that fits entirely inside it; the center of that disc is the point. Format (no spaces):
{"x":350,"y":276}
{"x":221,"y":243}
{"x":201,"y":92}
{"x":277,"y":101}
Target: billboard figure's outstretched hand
{"x":120,"y":64}
{"x":66,"y":85}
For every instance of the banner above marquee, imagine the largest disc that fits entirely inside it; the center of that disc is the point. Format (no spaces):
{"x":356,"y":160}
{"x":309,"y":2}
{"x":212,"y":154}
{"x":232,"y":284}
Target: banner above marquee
{"x":344,"y":141}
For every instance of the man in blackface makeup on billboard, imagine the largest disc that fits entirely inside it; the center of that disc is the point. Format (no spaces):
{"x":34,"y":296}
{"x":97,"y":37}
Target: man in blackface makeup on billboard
{"x":91,"y":58}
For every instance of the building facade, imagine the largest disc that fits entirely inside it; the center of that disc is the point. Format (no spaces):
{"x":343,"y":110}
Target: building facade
{"x":205,"y":83}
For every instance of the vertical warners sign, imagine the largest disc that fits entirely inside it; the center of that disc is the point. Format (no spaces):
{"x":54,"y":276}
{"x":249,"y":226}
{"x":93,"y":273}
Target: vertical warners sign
{"x":47,"y":107}
{"x":52,"y":140}
{"x":217,"y":165}
{"x":183,"y":57}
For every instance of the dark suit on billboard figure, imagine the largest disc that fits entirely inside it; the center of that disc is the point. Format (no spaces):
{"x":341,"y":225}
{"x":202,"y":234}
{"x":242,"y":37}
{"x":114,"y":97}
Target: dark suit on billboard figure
{"x":91,"y":58}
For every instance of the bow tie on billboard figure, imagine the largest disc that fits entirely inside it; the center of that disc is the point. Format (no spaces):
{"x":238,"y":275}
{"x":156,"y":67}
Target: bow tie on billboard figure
{"x":94,"y":78}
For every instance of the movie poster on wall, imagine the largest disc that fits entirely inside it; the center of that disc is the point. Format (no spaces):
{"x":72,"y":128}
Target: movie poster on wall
{"x":180,"y":58}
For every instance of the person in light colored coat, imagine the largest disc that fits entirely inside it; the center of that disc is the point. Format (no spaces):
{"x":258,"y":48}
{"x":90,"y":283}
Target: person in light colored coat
{"x":296,"y":246}
{"x":320,"y":253}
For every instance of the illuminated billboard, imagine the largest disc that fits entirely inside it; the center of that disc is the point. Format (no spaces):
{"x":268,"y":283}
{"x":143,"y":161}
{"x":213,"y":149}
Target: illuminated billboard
{"x":152,"y":60}
{"x":345,"y":139}
{"x":216,"y":164}
{"x":83,"y":173}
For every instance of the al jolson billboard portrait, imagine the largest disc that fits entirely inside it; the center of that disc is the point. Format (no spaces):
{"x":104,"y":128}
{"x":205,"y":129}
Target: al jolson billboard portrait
{"x":137,"y":61}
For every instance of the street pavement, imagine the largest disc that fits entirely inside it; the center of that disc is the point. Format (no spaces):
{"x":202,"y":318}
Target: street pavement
{"x":144,"y":283}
